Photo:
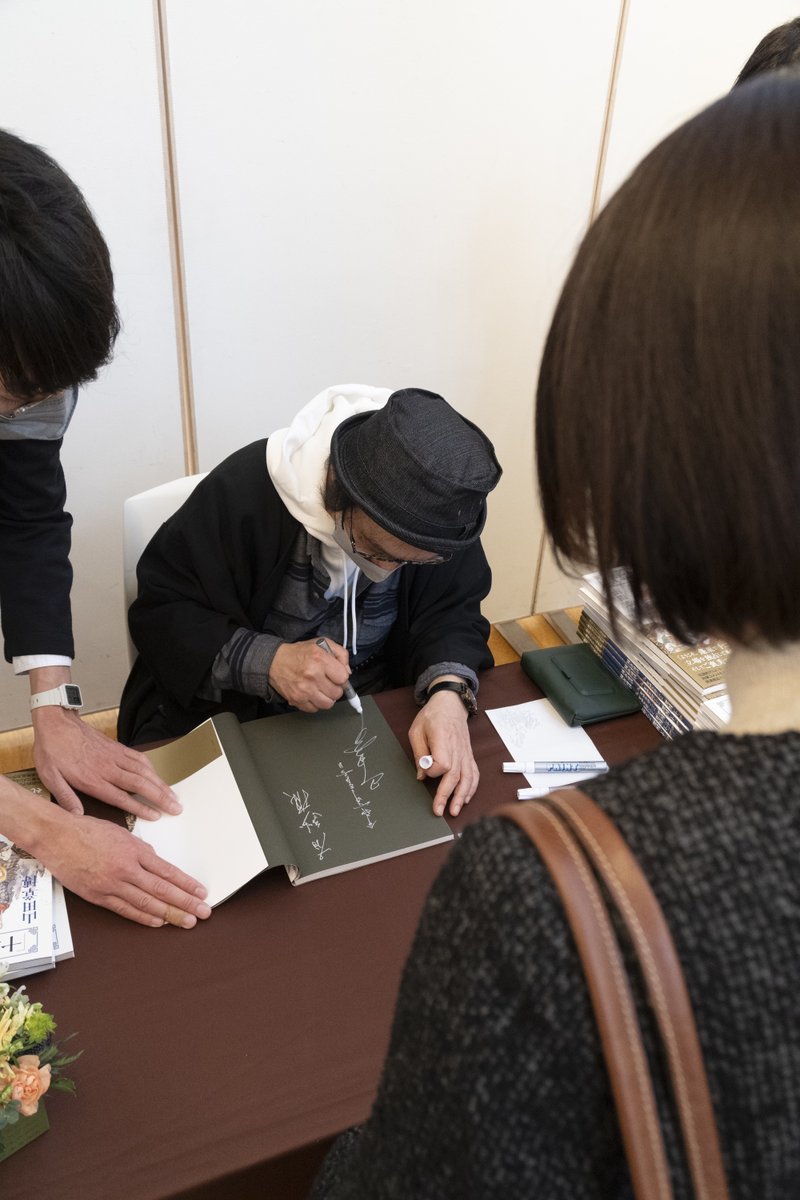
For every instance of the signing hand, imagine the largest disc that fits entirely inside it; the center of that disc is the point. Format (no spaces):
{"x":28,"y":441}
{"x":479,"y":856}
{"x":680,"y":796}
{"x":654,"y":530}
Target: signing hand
{"x":108,"y":866}
{"x":440,"y":729}
{"x":309,"y":678}
{"x":69,"y":754}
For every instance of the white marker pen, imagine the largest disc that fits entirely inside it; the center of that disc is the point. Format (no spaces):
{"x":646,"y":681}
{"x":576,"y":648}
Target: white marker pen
{"x":549,"y":767}
{"x":350,"y":694}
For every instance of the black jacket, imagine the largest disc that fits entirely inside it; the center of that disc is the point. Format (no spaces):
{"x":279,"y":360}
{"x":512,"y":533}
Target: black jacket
{"x":35,"y":572}
{"x":216,"y":567}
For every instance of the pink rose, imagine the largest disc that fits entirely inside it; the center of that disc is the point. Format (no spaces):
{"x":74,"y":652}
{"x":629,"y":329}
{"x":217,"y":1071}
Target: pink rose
{"x":29,"y":1084}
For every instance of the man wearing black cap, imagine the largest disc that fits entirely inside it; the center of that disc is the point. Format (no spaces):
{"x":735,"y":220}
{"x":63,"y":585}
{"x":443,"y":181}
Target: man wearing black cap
{"x":359,"y":523}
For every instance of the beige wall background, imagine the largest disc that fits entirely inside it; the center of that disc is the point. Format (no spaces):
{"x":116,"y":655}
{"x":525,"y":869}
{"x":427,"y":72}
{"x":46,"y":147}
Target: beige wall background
{"x":307,"y":194}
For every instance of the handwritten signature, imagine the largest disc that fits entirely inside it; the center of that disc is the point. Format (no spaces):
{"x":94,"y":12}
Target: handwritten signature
{"x":311,"y":820}
{"x":360,"y":770}
{"x":359,"y":749}
{"x":364,"y":808}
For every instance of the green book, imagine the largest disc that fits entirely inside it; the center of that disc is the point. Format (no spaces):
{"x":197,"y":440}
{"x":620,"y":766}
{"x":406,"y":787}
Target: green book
{"x":316,"y":793}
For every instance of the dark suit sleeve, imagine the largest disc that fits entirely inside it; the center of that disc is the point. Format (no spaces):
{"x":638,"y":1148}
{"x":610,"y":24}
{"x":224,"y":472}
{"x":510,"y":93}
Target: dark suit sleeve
{"x":35,"y":572}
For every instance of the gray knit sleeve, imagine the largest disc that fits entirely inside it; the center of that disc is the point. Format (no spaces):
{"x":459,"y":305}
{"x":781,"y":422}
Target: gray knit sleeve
{"x":243,"y":664}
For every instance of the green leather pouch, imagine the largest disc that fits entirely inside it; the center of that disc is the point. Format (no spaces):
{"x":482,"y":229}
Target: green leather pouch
{"x":578,"y":685}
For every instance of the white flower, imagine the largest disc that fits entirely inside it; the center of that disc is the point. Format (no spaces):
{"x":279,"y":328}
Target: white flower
{"x":12,"y":1017}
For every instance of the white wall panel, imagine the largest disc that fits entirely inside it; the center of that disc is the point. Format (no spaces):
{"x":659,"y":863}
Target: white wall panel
{"x":678,"y":58}
{"x":80,"y":80}
{"x":387,"y":194}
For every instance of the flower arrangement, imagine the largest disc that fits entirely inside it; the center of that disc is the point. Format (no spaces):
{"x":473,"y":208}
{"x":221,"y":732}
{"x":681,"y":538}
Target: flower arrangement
{"x":31,"y":1062}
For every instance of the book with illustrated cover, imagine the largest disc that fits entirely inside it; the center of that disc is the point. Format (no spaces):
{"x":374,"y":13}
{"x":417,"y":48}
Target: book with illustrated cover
{"x":26,"y":913}
{"x":697,"y":670}
{"x":34,"y":926}
{"x":683,"y":700}
{"x":659,"y":710}
{"x":316,"y":793}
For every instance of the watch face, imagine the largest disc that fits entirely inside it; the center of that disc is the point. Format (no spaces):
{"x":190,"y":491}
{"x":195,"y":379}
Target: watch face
{"x":73,"y":694}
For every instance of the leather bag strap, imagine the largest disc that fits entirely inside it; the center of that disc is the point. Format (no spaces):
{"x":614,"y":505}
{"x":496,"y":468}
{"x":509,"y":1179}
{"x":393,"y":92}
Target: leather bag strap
{"x":647,"y":927}
{"x":584,"y":829}
{"x":610,"y":993}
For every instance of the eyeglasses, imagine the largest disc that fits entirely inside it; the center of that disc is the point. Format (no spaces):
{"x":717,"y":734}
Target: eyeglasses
{"x":390,"y":558}
{"x":12,"y":407}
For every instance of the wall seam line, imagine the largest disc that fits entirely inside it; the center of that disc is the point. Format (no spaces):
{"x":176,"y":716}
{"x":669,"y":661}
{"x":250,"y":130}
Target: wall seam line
{"x":594,"y":206}
{"x":608,"y":115}
{"x":183,"y":346}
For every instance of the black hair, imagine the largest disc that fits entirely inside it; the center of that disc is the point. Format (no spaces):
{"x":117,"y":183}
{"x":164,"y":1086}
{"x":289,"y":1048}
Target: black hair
{"x":779,"y":48}
{"x":58,"y":319}
{"x":335,"y":496}
{"x":668,"y":418}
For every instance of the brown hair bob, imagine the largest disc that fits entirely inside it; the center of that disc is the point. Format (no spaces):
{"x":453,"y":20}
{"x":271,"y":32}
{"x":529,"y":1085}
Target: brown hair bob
{"x":668,"y":412}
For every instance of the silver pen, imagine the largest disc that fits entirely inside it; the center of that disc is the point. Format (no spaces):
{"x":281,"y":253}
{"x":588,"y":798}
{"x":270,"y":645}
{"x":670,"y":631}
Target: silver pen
{"x":350,"y":693}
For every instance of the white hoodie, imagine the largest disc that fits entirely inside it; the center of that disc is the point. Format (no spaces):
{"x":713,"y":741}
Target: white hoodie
{"x":296,"y":459}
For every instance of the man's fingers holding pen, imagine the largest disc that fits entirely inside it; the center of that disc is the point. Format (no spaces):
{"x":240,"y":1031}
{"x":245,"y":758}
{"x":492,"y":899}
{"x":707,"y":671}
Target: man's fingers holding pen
{"x":307,"y":676}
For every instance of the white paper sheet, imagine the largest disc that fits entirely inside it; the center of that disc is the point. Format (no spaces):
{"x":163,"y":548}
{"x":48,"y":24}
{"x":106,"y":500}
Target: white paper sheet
{"x":213,"y":839}
{"x":534,"y":731}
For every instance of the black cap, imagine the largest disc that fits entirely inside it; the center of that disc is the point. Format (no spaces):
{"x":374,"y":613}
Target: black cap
{"x":419,"y":469}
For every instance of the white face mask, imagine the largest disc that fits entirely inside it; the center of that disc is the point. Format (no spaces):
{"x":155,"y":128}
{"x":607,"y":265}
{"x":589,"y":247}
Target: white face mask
{"x":371,"y":570}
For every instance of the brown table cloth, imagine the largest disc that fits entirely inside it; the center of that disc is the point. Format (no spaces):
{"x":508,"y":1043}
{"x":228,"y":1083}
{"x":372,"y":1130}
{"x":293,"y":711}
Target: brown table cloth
{"x":221,"y":1061}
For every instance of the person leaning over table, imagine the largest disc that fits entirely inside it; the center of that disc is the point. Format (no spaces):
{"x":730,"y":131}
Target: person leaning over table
{"x":58,"y":323}
{"x":360,"y":523}
{"x":668,"y":445}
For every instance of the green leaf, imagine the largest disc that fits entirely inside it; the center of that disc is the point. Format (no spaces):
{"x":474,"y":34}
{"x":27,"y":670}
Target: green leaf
{"x":64,"y":1085}
{"x":66,"y":1059}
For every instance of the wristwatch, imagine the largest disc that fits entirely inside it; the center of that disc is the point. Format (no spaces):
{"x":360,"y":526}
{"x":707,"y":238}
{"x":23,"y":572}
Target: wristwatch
{"x":462,"y":690}
{"x":66,"y":695}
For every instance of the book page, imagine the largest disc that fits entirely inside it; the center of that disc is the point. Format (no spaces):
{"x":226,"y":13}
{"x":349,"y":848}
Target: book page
{"x":213,"y":839}
{"x":342,"y":787}
{"x":269,"y":830}
{"x":62,"y":933}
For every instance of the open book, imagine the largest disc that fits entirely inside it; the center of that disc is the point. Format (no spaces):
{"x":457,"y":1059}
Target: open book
{"x":317,"y":793}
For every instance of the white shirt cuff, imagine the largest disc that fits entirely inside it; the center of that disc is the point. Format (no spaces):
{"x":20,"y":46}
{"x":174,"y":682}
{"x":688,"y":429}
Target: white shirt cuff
{"x":23,"y":663}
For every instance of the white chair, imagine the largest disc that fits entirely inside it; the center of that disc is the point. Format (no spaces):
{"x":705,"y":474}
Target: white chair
{"x":142,"y":515}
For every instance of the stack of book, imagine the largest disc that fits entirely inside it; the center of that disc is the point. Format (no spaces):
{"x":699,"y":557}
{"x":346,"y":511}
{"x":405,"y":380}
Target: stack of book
{"x":680,"y":687}
{"x":34,"y":926}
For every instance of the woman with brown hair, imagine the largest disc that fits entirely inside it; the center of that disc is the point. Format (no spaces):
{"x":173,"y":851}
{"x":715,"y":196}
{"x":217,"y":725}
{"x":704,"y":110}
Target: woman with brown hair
{"x":668,"y":445}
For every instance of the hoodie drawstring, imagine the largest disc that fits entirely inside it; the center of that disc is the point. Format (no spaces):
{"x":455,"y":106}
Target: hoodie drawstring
{"x":353,"y":614}
{"x":354,"y":647}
